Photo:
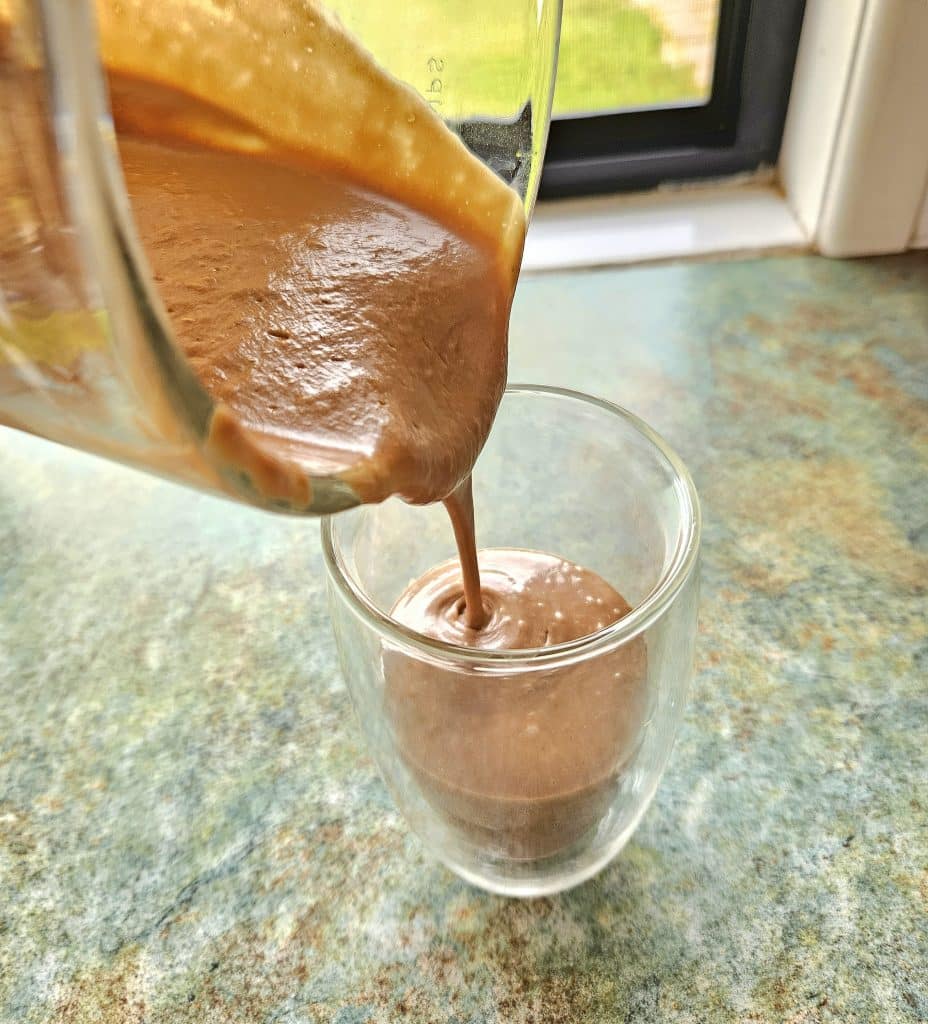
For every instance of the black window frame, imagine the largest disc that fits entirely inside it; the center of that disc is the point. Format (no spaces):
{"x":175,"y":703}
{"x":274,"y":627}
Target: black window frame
{"x":739,"y":129}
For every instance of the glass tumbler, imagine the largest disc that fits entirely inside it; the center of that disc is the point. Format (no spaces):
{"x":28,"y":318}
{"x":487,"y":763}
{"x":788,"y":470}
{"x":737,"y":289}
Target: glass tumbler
{"x":527,"y":771}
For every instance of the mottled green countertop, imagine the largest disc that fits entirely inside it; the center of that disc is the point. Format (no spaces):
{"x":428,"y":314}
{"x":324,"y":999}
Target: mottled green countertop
{"x":190,"y":829}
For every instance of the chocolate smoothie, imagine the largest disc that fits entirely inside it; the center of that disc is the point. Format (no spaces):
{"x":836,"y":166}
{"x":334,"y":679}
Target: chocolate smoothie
{"x":337,"y":266}
{"x":344,"y":331}
{"x":348,"y":314}
{"x":523,"y":763}
{"x":349,"y":332}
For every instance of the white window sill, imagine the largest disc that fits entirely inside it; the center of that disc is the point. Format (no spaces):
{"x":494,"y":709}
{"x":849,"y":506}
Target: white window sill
{"x":701,"y":221}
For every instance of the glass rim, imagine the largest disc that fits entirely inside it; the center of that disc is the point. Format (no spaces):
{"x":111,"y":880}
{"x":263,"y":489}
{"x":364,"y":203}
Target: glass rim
{"x":640,"y":618}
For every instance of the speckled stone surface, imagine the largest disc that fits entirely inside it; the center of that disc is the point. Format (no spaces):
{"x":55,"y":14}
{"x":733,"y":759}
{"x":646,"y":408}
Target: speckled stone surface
{"x":190,"y":829}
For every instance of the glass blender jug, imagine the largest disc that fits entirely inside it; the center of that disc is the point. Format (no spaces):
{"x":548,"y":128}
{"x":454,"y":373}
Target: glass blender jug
{"x":87,"y":351}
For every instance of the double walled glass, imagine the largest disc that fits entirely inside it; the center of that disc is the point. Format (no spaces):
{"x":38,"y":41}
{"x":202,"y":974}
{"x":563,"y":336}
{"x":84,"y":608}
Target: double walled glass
{"x":87,"y":350}
{"x":580,"y":478}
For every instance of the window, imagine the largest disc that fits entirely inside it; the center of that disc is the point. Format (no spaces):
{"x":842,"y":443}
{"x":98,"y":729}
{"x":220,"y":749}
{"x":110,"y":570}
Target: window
{"x":658,"y":90}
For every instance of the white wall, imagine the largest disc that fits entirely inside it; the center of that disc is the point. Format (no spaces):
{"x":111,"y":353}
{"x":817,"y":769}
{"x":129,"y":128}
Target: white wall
{"x":855,"y":148}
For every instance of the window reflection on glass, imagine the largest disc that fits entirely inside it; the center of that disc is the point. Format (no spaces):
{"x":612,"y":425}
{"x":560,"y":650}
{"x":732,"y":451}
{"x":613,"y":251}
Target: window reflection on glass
{"x":633,"y":54}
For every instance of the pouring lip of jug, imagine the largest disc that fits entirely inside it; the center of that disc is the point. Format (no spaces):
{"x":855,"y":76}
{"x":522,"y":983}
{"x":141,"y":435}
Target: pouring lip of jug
{"x":681,"y":566}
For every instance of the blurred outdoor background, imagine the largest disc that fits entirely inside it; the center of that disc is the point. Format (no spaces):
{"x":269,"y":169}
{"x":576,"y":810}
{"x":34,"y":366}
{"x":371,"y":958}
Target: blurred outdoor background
{"x":627,"y":54}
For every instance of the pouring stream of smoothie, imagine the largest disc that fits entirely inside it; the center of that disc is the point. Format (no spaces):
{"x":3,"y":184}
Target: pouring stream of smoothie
{"x":339,"y":273}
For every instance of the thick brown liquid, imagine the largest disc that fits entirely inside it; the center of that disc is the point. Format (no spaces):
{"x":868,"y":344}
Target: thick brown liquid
{"x":460,"y":508}
{"x":348,"y":321}
{"x":348,"y":332}
{"x":523,"y":763}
